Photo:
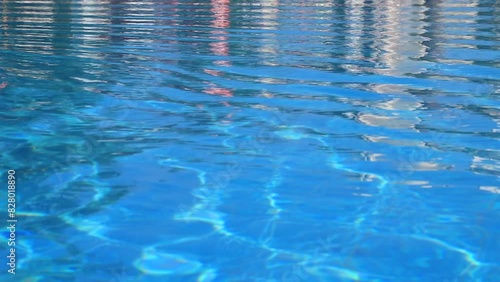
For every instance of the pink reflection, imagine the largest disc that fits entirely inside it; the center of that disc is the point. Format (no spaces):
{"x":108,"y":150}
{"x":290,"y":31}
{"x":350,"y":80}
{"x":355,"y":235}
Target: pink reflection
{"x":219,"y":91}
{"x":221,"y":10}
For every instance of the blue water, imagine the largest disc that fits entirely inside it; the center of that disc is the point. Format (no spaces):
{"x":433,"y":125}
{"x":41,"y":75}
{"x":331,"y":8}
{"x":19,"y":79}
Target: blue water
{"x":276,"y":140}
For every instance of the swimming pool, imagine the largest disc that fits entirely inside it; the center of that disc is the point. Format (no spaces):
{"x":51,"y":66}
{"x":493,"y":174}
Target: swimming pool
{"x":252,"y":140}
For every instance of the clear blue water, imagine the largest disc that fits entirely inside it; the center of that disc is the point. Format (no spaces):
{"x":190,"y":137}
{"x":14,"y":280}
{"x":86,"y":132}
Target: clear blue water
{"x":252,"y":140}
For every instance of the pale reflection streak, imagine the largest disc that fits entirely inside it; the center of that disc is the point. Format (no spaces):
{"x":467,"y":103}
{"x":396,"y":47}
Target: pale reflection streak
{"x":5,"y":20}
{"x":355,"y":14}
{"x":88,"y":28}
{"x":220,"y":23}
{"x":482,"y":165}
{"x":268,"y":49}
{"x":29,"y":20}
{"x":91,"y":16}
{"x":399,"y":30}
{"x":399,"y":49}
{"x":32,"y":40}
{"x":454,"y":19}
{"x":269,"y":45}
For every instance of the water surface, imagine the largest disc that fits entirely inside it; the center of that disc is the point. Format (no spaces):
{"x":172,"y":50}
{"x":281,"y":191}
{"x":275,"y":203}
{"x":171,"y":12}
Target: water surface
{"x":253,"y":140}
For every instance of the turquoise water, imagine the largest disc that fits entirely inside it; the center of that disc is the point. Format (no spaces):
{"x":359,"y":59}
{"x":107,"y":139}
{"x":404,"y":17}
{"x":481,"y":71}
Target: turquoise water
{"x":252,"y":140}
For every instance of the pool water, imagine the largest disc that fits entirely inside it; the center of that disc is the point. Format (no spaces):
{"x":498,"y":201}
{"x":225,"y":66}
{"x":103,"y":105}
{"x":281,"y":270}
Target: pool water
{"x":276,"y":140}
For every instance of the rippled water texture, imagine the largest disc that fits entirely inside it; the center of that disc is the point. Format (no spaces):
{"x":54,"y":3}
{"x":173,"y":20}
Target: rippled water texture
{"x":252,"y":140}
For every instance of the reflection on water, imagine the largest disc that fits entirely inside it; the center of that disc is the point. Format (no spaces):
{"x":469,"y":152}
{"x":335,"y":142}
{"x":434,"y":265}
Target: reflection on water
{"x":220,"y":46}
{"x":281,"y":140}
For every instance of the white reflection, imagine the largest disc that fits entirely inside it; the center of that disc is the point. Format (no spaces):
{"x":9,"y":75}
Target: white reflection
{"x":355,"y":15}
{"x":481,"y":165}
{"x":269,"y":46}
{"x":92,"y":16}
{"x":388,"y":122}
{"x":400,"y":30}
{"x":492,"y":189}
{"x":399,"y":105}
{"x":396,"y":142}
